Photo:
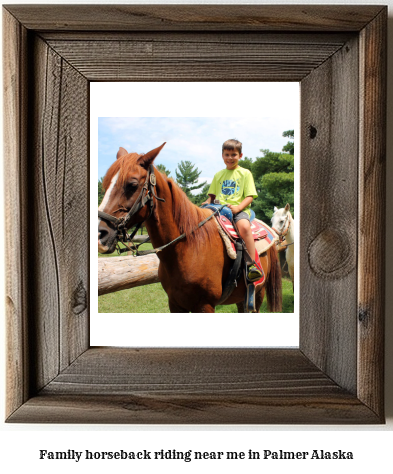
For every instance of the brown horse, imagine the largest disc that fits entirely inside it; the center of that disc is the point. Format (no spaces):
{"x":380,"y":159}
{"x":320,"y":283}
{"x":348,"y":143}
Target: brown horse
{"x":193,"y":269}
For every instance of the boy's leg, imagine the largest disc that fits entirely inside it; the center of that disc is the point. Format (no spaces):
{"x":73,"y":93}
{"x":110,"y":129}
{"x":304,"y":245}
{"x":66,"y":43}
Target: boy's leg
{"x":244,"y":228}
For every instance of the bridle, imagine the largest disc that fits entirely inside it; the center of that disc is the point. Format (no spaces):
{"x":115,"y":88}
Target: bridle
{"x":145,"y":197}
{"x":285,"y":229}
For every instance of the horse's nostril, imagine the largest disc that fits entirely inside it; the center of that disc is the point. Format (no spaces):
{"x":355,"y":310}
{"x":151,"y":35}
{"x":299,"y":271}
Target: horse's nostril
{"x":102,"y":235}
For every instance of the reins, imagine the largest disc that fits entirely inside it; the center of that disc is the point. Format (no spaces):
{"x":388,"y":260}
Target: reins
{"x":159,"y":249}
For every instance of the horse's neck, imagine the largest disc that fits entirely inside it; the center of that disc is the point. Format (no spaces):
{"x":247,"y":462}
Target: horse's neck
{"x":161,"y":226}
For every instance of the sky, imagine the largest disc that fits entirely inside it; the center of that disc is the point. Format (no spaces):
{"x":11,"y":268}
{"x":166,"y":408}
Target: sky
{"x":191,"y":119}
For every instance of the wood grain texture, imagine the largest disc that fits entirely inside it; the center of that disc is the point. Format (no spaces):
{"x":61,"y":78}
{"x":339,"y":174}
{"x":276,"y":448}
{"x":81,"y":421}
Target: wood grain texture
{"x":193,"y":386}
{"x":371,"y":226}
{"x":160,"y":60}
{"x":195,"y":17}
{"x":14,"y":113}
{"x":122,"y":273}
{"x":329,"y":216}
{"x":59,"y":184}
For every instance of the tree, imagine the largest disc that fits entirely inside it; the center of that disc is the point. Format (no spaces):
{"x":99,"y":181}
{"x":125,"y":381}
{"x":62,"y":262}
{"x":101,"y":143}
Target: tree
{"x":198,"y":199}
{"x":272,"y":162}
{"x":162,"y":169}
{"x":289,"y":147}
{"x":187,"y":177}
{"x":101,"y":191}
{"x":246,"y":163}
{"x":274,"y":180}
{"x":274,"y":189}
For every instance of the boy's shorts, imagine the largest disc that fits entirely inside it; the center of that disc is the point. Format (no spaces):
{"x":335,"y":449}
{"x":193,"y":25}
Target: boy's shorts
{"x":240,"y":215}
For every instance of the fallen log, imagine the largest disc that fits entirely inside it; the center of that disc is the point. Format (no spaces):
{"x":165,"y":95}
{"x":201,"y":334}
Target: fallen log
{"x":140,"y":238}
{"x":121,"y":273}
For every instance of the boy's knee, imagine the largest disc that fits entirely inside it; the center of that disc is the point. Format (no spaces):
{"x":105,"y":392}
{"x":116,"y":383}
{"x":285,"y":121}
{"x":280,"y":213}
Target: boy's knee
{"x":244,"y":226}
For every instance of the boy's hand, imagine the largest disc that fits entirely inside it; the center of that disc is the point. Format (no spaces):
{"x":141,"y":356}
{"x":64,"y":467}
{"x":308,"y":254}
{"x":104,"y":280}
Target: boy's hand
{"x":234,"y":209}
{"x":206,"y":202}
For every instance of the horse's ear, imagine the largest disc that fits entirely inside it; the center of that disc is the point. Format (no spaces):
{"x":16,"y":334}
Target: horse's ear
{"x":122,"y":151}
{"x":275,"y":209}
{"x":146,"y":160}
{"x":287,"y":207}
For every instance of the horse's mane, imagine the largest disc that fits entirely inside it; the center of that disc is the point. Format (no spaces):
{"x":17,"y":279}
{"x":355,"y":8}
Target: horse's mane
{"x":186,"y":215}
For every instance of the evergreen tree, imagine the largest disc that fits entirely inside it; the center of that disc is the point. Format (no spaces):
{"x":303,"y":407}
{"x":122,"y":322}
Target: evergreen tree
{"x":101,"y":191}
{"x":289,"y":147}
{"x":187,"y":176}
{"x":162,"y":169}
{"x":198,"y":199}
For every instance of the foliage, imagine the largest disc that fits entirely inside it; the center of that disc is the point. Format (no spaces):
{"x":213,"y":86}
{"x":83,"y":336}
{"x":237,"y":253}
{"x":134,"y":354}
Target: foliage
{"x":289,"y":147}
{"x":101,"y":191}
{"x":187,"y":176}
{"x":274,"y":189}
{"x":162,"y":169}
{"x":246,"y":163}
{"x":274,"y":180}
{"x":272,"y":162}
{"x":198,"y":199}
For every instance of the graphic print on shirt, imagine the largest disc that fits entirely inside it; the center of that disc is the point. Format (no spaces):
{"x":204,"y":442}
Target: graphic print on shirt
{"x":230,"y":188}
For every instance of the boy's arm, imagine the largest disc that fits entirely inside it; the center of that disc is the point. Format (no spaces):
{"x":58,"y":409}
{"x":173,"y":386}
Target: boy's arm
{"x":239,"y":207}
{"x":209,"y":199}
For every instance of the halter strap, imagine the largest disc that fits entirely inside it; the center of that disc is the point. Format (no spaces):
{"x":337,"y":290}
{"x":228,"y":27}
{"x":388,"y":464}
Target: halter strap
{"x":284,"y":232}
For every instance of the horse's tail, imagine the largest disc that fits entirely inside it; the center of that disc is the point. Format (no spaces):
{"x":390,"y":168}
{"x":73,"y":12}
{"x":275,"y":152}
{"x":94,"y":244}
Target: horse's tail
{"x":273,"y":283}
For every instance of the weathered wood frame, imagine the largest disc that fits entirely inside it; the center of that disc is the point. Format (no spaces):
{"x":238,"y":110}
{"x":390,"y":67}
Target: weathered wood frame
{"x":338,"y":54}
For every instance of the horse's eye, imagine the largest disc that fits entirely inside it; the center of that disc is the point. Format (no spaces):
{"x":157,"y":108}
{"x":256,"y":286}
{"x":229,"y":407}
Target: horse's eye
{"x":131,"y":186}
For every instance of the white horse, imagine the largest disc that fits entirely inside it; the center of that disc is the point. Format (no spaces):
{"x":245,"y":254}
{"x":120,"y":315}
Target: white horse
{"x":283,"y":224}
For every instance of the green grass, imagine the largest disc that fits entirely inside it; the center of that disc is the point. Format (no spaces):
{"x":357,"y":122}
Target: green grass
{"x":153,"y":299}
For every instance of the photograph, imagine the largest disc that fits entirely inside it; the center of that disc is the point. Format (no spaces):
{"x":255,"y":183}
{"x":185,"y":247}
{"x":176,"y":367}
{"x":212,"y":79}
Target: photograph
{"x":184,"y":244}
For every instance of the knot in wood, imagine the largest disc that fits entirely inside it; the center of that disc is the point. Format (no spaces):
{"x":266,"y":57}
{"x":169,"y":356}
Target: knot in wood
{"x":80,"y":299}
{"x":331,"y":255}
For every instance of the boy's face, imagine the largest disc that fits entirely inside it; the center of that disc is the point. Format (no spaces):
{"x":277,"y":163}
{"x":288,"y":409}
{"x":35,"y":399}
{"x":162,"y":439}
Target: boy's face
{"x":231,"y":158}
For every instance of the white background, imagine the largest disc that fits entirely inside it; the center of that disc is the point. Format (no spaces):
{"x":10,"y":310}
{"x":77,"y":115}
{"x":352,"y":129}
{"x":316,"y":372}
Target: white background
{"x":371,"y":445}
{"x":192,"y":100}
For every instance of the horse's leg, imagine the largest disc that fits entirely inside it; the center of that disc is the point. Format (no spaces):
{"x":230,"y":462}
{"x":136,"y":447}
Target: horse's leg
{"x":259,"y":299}
{"x":240,"y":307}
{"x":175,"y":308}
{"x":204,"y":308}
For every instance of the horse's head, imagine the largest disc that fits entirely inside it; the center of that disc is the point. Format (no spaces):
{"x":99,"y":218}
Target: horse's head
{"x":281,"y":220}
{"x":127,"y":186}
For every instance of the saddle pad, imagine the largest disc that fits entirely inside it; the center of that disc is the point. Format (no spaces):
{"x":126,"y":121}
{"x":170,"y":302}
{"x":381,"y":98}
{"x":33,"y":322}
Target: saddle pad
{"x":258,"y":228}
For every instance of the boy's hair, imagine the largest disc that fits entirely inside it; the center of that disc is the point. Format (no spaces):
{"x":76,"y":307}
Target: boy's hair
{"x":232,"y":144}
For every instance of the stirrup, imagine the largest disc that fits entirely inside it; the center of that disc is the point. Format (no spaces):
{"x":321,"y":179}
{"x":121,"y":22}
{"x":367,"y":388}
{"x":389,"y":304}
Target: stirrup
{"x":253,"y":273}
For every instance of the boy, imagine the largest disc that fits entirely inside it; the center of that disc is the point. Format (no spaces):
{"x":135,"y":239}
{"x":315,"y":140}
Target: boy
{"x":235,"y":187}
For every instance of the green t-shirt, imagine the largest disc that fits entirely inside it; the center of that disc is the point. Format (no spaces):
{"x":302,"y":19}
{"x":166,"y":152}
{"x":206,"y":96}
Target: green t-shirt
{"x":233,"y":186}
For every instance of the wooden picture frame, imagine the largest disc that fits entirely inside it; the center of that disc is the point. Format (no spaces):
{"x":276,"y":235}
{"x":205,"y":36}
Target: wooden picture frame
{"x":338,"y":54}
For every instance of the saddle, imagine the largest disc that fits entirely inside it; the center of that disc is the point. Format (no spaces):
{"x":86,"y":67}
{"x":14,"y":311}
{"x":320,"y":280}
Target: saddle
{"x":261,"y":232}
